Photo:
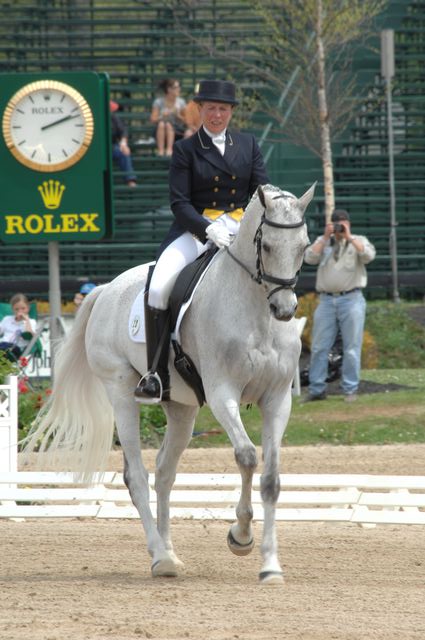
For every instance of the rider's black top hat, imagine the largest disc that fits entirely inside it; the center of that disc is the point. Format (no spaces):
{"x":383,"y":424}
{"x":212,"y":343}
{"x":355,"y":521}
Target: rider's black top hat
{"x":216,"y":91}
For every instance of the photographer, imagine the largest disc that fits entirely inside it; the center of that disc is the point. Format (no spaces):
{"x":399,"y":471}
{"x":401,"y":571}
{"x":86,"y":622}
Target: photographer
{"x":341,"y":276}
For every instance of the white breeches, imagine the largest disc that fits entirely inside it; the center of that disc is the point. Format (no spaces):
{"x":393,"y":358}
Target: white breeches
{"x":181,"y":252}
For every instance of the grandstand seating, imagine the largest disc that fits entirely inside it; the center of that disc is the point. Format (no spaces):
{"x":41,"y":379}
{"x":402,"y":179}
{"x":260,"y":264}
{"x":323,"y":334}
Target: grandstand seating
{"x":140,"y":43}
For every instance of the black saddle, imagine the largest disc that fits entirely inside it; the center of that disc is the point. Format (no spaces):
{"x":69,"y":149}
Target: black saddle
{"x":186,"y":282}
{"x":180,"y":294}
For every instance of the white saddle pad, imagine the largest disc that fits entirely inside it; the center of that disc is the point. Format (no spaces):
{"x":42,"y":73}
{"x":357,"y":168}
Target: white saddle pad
{"x":136,"y":321}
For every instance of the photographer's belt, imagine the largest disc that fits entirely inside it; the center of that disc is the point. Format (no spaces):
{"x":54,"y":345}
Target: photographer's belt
{"x":341,"y":293}
{"x":213,"y":214}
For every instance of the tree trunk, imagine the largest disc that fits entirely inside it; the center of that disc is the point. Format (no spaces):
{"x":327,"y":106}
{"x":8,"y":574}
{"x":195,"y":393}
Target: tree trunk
{"x":325,"y":138}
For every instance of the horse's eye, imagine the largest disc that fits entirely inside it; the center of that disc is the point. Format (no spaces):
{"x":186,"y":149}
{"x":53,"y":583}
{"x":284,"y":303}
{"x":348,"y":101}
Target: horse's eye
{"x":266,"y":247}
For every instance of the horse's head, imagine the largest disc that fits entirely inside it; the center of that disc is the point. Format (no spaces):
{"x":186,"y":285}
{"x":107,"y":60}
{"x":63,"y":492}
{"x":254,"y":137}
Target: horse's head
{"x":281,"y":240}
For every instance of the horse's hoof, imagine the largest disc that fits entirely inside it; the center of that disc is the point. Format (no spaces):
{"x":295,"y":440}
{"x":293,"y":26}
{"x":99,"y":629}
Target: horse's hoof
{"x":271,"y":577}
{"x":237,"y":548}
{"x":177,"y":562}
{"x":165,"y":568}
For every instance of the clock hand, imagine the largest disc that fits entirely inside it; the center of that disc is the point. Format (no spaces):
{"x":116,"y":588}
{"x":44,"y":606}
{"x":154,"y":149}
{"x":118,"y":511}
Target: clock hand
{"x":52,"y":124}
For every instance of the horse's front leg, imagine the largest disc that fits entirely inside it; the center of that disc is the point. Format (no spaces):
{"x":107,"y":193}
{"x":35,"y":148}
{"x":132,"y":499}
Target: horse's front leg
{"x":226,"y":409}
{"x":180,"y":422}
{"x":275,"y":419}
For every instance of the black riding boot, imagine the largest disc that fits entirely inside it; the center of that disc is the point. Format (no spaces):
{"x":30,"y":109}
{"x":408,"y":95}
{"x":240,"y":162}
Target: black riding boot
{"x":154,"y":386}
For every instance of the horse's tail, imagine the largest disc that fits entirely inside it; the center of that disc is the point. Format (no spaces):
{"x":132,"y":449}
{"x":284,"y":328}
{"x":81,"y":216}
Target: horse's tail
{"x":74,"y":429}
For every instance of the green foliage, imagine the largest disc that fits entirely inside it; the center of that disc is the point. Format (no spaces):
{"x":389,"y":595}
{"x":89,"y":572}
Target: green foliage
{"x":152,"y":425}
{"x":7,"y":368}
{"x":400,"y":340}
{"x":29,"y":404}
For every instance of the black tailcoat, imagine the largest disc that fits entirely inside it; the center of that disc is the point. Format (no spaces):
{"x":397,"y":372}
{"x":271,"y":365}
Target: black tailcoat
{"x":201,"y":178}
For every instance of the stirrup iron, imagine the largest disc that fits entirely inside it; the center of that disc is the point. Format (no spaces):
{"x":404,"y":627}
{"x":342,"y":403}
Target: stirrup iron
{"x":147,"y":399}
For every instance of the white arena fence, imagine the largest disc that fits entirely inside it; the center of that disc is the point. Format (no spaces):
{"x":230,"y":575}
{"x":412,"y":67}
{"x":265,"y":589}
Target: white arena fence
{"x":352,"y":498}
{"x":9,"y":425}
{"x":360,"y":499}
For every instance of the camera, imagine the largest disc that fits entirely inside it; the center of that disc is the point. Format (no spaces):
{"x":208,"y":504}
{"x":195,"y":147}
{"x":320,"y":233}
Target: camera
{"x":338,"y":228}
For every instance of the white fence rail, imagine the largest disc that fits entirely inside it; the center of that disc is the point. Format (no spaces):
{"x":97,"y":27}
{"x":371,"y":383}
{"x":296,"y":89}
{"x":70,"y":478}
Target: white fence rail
{"x":361,"y":499}
{"x":9,"y":424}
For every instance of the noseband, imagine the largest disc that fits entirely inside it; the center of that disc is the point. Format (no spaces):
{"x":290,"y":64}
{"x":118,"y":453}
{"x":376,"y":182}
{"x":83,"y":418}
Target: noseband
{"x":262,"y":275}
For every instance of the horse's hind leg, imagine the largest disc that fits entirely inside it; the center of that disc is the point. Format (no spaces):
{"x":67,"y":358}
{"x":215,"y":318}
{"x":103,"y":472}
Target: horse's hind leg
{"x":136,"y":478}
{"x":180,"y":421}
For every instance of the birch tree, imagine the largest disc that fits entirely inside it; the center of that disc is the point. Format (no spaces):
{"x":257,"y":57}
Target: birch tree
{"x":319,"y":33}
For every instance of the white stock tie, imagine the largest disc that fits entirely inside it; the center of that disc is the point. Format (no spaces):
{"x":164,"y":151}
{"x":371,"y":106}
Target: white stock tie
{"x":220,"y":142}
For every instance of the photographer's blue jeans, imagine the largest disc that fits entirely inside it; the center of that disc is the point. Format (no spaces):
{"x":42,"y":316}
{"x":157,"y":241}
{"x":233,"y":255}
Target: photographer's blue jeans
{"x":348,"y":313}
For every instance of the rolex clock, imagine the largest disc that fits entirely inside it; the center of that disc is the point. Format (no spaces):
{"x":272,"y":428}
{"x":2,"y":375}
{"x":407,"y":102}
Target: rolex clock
{"x":47,"y":125}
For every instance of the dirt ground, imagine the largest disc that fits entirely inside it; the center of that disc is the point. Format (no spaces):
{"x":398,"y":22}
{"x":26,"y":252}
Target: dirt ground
{"x":90,"y":580}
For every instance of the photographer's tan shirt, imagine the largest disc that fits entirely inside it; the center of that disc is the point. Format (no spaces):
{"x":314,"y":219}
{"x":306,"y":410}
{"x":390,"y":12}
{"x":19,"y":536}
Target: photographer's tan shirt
{"x":341,"y":266}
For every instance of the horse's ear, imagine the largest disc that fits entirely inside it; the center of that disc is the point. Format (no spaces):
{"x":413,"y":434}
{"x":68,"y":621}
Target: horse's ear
{"x":307,"y":197}
{"x":261,"y":195}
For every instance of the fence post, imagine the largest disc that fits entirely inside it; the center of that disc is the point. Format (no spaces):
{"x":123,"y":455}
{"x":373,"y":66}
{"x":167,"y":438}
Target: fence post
{"x":9,"y":425}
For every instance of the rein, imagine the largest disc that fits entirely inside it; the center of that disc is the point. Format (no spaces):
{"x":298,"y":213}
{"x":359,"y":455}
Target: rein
{"x":262,"y":275}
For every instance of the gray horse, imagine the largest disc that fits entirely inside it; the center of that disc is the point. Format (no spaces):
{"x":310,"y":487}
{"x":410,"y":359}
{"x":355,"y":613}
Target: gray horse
{"x":239,"y":333}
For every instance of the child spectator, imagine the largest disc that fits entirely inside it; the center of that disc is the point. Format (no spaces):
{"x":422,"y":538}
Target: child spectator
{"x":17,"y":330}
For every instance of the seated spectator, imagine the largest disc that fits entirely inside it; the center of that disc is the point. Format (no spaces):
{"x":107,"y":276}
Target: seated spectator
{"x":192,"y":116}
{"x":168,"y":116}
{"x":18,"y":329}
{"x":82,"y":293}
{"x":120,"y":150}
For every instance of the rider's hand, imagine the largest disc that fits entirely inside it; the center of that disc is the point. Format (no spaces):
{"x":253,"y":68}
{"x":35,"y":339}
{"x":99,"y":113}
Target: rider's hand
{"x":218,"y":234}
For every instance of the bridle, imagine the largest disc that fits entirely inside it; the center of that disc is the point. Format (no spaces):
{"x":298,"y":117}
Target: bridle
{"x":261,"y":275}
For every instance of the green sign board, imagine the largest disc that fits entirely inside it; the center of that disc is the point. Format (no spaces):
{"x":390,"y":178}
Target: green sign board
{"x":55,"y":157}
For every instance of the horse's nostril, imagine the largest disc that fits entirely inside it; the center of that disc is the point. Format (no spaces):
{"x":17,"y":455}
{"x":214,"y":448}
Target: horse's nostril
{"x":273,"y":309}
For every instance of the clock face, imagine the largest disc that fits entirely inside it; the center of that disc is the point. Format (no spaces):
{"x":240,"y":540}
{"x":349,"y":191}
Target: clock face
{"x":48,"y":126}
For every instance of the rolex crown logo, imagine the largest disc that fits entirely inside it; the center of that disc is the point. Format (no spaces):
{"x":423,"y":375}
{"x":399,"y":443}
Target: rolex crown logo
{"x":51,"y":192}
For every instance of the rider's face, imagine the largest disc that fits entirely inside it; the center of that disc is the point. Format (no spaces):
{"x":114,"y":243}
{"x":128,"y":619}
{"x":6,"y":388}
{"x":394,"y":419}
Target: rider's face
{"x":216,"y":115}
